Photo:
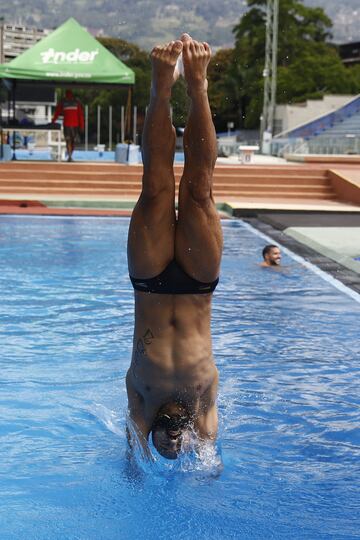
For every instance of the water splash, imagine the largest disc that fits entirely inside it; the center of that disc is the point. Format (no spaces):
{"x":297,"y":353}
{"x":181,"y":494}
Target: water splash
{"x":202,"y":458}
{"x":109,"y":418}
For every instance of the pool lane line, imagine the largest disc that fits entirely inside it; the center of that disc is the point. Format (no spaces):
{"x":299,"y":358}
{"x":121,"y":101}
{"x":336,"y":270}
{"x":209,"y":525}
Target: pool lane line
{"x":307,"y":264}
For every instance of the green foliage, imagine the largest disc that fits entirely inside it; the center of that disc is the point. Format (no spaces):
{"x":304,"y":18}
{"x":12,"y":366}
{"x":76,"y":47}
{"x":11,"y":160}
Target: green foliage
{"x":179,"y":103}
{"x":308,"y":65}
{"x":316,"y":72}
{"x":136,"y":59}
{"x":225,"y":88}
{"x":139,"y":61}
{"x":354,"y":73}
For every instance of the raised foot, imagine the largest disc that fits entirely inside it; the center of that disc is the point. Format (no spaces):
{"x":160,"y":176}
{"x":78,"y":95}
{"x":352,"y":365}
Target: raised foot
{"x":164,"y":71}
{"x":196,"y":56}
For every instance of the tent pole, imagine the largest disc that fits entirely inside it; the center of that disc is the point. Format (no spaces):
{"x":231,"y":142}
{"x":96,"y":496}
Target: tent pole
{"x":122,"y":124}
{"x":98,"y":124}
{"x":135,"y":124}
{"x":48,"y":118}
{"x":110,"y":127}
{"x":1,"y":136}
{"x":14,"y":132}
{"x":128,"y":115}
{"x":9,"y":105}
{"x":86,"y":127}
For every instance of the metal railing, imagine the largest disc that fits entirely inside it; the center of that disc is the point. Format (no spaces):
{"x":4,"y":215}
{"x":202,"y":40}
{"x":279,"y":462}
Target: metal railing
{"x":280,"y":147}
{"x":324,"y":122}
{"x":325,"y":145}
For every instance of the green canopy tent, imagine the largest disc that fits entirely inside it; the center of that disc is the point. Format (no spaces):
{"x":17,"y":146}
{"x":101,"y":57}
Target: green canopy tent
{"x":69,"y":56}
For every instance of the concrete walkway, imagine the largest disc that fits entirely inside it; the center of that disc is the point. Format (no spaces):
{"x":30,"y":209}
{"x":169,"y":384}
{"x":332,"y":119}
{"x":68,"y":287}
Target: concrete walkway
{"x":337,"y":243}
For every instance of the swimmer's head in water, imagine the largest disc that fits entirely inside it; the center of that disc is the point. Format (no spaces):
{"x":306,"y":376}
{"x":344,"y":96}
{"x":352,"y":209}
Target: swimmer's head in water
{"x":170,"y":425}
{"x":272,"y":255}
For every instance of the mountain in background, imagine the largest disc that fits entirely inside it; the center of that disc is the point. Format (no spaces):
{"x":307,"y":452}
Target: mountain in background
{"x":145,"y":22}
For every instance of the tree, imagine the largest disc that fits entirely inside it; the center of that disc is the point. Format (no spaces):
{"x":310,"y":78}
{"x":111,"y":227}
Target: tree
{"x":225,"y":97}
{"x":308,"y":65}
{"x":138,"y":61}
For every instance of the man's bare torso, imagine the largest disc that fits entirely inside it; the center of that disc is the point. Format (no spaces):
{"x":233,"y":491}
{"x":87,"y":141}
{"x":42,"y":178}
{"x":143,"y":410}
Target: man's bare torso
{"x":172,"y":356}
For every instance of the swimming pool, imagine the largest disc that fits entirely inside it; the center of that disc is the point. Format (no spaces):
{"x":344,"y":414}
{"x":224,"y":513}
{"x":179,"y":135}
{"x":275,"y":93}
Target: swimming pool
{"x":287,"y":349}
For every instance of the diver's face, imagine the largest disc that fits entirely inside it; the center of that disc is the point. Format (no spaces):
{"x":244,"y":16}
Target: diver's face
{"x":274,"y":257}
{"x":169,"y":429}
{"x":167,"y":442}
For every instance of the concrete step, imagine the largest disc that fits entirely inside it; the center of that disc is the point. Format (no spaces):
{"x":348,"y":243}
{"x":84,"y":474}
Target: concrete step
{"x":43,"y":179}
{"x":104,"y":168}
{"x":137,"y":170}
{"x":51,"y":166}
{"x":294,"y":195}
{"x":104,"y":174}
{"x":224,"y":182}
{"x":240,"y":170}
{"x":64,"y":176}
{"x":94,"y":187}
{"x":87,"y":179}
{"x":133,"y":192}
{"x":218,"y":173}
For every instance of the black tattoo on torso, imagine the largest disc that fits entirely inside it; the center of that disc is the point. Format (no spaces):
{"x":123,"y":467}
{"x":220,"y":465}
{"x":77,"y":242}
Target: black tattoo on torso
{"x":140,"y":350}
{"x":148,"y":337}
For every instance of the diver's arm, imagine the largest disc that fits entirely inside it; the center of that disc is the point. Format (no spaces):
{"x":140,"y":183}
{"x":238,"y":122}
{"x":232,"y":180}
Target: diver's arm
{"x":207,"y":421}
{"x":139,"y":424}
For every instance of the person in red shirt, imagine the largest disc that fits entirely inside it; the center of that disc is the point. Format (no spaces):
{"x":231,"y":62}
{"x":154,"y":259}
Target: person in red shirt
{"x":72,"y":112}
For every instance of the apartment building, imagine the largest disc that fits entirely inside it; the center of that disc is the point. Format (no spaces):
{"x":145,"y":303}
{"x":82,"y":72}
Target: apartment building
{"x":17,"y":38}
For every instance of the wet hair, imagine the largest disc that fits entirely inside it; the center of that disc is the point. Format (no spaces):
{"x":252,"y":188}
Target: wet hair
{"x":268,"y":248}
{"x":167,"y":423}
{"x":171,"y":421}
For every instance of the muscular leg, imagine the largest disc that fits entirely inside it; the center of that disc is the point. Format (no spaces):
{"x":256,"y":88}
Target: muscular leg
{"x":152,"y":226}
{"x":198,"y":244}
{"x":69,"y":147}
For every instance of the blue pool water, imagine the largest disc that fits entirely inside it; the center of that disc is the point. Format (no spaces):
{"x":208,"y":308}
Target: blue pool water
{"x":287,"y":348}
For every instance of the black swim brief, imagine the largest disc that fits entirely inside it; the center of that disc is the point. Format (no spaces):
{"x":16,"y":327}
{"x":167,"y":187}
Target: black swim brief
{"x":71,"y":132}
{"x":173,"y":280}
